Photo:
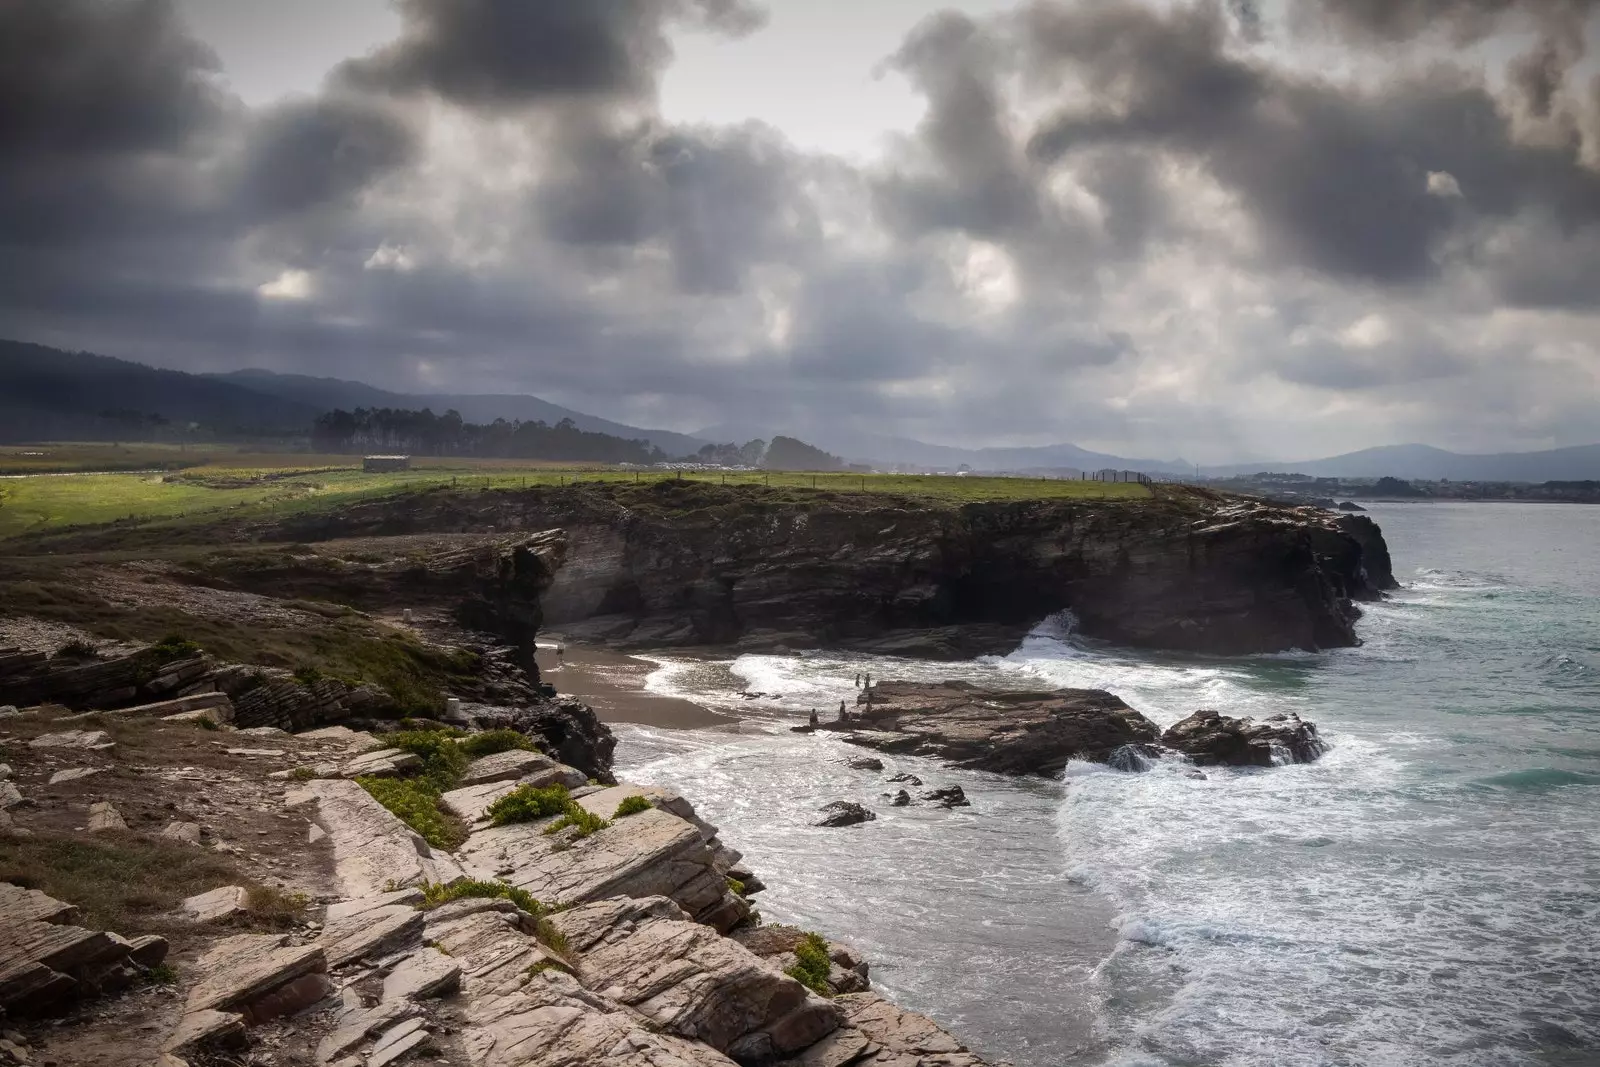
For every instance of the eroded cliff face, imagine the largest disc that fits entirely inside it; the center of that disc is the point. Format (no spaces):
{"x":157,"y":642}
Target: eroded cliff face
{"x":687,"y":564}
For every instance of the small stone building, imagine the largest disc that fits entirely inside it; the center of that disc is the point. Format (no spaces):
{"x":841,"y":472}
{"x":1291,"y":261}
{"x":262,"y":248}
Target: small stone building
{"x":385,"y":464}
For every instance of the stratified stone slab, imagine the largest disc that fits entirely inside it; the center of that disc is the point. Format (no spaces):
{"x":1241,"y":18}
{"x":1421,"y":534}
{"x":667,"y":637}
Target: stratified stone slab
{"x":18,"y":905}
{"x":505,"y":767}
{"x":238,"y":970}
{"x":222,"y":904}
{"x":384,"y":763}
{"x":371,"y":848}
{"x":423,"y":974}
{"x":73,"y":774}
{"x":370,"y":933}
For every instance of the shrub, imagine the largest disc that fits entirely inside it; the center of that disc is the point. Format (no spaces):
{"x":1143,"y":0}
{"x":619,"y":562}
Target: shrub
{"x":415,"y":802}
{"x":525,"y":804}
{"x":275,"y":907}
{"x":162,"y":974}
{"x":435,"y":894}
{"x":78,"y":650}
{"x":173,"y":646}
{"x":811,"y":970}
{"x":443,"y":762}
{"x":632,"y":806}
{"x":490,"y":742}
{"x":206,"y":722}
{"x":303,"y":774}
{"x":308,"y":674}
{"x":547,"y":965}
{"x":735,"y":887}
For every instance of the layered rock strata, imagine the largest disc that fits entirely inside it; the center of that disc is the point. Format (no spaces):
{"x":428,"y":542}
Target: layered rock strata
{"x":692,"y":564}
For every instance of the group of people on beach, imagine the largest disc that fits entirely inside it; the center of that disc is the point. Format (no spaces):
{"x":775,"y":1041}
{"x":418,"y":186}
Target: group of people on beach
{"x":844,"y":714}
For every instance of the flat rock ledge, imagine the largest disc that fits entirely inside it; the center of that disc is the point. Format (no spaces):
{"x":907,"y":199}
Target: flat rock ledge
{"x":47,"y":962}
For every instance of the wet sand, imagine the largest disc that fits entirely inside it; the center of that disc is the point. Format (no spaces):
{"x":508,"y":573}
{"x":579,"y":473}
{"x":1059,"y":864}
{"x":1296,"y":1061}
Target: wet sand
{"x":613,"y":685}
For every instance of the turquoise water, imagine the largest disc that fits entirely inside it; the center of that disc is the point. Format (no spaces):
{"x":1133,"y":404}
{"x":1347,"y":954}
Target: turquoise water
{"x":1428,"y":893}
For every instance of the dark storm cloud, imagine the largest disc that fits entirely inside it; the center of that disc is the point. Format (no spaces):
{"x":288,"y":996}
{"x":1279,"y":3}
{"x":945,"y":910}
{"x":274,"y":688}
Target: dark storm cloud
{"x":307,"y":153}
{"x":1460,"y":20}
{"x":1336,"y":177}
{"x":981,"y":181}
{"x":511,"y":52}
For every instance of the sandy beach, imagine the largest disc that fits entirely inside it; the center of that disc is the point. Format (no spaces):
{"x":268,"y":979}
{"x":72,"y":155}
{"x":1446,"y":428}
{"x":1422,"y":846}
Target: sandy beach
{"x":613,"y":685}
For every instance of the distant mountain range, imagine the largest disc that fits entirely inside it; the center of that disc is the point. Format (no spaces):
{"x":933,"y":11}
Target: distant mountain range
{"x":1426,"y":463}
{"x":49,"y":394}
{"x":325,"y":394}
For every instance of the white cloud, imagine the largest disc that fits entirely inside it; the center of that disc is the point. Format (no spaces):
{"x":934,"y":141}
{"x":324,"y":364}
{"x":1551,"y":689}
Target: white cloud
{"x":290,"y":285}
{"x":391,"y":257}
{"x":1443,"y":184}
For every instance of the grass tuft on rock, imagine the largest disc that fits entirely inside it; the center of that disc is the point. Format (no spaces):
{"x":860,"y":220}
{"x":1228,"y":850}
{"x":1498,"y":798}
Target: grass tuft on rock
{"x":443,"y":761}
{"x":811,"y":970}
{"x":632,"y":806}
{"x":581,"y":819}
{"x":415,"y":802}
{"x":527,"y":804}
{"x":493,"y":742}
{"x":276,"y":908}
{"x":437,"y":894}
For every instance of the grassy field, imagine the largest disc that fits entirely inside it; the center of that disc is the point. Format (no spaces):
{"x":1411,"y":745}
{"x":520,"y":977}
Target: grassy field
{"x":288,"y":482}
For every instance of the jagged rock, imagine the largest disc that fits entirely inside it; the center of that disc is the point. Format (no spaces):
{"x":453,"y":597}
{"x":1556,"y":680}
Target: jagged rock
{"x":186,"y":832}
{"x":103,"y":816}
{"x":354,"y":1026}
{"x":844,"y":813}
{"x":11,"y":797}
{"x":908,"y":779}
{"x":223,"y":904}
{"x":865,"y":763}
{"x":1210,"y":738}
{"x":570,"y":732}
{"x":72,"y":774}
{"x":45,"y":961}
{"x":506,"y":767}
{"x":370,"y":931}
{"x":148,"y":950}
{"x":949,"y":797}
{"x":423,"y":974}
{"x":901,"y":799}
{"x":652,"y":853}
{"x":777,"y":943}
{"x":371,"y":848}
{"x":384,"y":763}
{"x":88,"y":740}
{"x":1000,"y":731}
{"x":905,"y":1039}
{"x":691,"y":982}
{"x":236,"y":972}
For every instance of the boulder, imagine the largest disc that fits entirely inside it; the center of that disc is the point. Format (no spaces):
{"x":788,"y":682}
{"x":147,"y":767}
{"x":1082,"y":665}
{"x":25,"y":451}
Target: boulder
{"x":879,"y":1034}
{"x":220,"y":905}
{"x":900,"y":799}
{"x":865,"y":763}
{"x":187,"y":833}
{"x":844,"y":813}
{"x":103,"y":816}
{"x":233,"y":974}
{"x":949,"y":797}
{"x":1001,"y":731}
{"x":11,"y":797}
{"x":568,"y":729}
{"x":908,"y":779}
{"x":1209,"y":738}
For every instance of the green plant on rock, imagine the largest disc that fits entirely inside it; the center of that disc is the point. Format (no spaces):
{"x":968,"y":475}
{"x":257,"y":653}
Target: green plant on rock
{"x":206,"y":722}
{"x":547,"y":965}
{"x":162,"y":974}
{"x":415,"y":802}
{"x":581,"y":819}
{"x":527,"y":803}
{"x":436,"y":894}
{"x":632,"y":805}
{"x":492,"y":742}
{"x":811,"y":968}
{"x":735,"y":886}
{"x":443,"y":762}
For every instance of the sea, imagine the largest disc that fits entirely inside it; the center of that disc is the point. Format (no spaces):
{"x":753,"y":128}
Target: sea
{"x":1428,"y":893}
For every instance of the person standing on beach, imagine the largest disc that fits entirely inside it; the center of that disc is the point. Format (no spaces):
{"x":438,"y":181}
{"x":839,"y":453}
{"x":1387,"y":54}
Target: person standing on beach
{"x":844,"y":716}
{"x":858,"y":679}
{"x":814,"y":719}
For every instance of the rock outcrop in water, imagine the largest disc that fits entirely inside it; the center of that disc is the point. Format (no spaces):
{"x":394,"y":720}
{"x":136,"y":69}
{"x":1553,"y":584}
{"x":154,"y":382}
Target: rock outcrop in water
{"x":685,"y":564}
{"x":992,"y":730}
{"x":1038,"y":733}
{"x":1210,"y":738}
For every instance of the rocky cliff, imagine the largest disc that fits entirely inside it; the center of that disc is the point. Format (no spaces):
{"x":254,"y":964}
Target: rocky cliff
{"x":683,"y":564}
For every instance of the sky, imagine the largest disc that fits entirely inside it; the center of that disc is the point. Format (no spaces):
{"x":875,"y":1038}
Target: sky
{"x":1216,"y":229}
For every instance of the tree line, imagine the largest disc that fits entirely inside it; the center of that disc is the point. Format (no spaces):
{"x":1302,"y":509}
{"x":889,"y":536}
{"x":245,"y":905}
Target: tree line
{"x":424,"y":433}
